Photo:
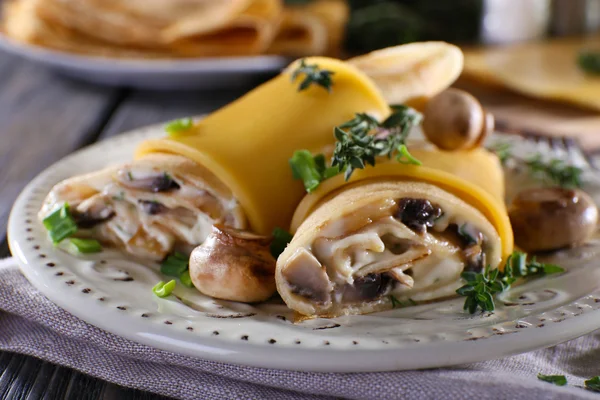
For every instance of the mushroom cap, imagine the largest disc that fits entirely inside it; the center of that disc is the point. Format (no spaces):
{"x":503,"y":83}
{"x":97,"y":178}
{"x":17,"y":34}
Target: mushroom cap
{"x":552,"y":218}
{"x":234,"y":265}
{"x":455,"y":120}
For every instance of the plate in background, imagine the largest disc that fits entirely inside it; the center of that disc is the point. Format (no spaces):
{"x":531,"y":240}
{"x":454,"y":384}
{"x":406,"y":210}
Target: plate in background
{"x":163,"y":74}
{"x":113,"y":292}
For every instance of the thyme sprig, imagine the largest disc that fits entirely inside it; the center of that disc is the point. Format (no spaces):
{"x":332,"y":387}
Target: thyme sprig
{"x":555,"y":171}
{"x":358,"y":143}
{"x":313,"y":74}
{"x":480,"y":288}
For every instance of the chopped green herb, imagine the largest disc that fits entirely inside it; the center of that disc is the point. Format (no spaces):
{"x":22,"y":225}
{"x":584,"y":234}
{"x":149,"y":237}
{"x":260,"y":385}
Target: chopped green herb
{"x":480,"y":288}
{"x":313,"y":74}
{"x":593,"y":384}
{"x":162,"y":289}
{"x":400,"y":304}
{"x":558,"y":380}
{"x":85,"y":246}
{"x":281,"y":238}
{"x":179,"y":125}
{"x":174,"y":265}
{"x":129,"y":175}
{"x":60,"y":224}
{"x":185,"y":279}
{"x":305,"y":167}
{"x":589,"y":61}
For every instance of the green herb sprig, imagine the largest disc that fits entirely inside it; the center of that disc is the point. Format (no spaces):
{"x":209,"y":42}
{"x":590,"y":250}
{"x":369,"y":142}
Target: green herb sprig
{"x":558,"y":380}
{"x":480,"y":288}
{"x":555,"y":171}
{"x":358,"y":143}
{"x":313,"y":74}
{"x":589,"y":61}
{"x":363,"y":138}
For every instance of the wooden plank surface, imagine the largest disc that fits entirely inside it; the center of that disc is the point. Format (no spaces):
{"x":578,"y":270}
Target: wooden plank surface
{"x":43,"y":118}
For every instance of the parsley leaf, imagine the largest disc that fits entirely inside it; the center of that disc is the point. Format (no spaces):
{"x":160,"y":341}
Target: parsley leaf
{"x":310,"y":169}
{"x":313,"y":74}
{"x":558,"y":380}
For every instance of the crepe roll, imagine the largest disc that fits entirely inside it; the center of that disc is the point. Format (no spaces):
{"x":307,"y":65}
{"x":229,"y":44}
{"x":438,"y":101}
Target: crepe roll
{"x":395,"y":232}
{"x":248,"y":144}
{"x":230,"y":167}
{"x":148,"y":206}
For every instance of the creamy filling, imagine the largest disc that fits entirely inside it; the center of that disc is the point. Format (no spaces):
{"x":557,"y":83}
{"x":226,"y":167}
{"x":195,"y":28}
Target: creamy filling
{"x":144,"y":210}
{"x":409,"y":248}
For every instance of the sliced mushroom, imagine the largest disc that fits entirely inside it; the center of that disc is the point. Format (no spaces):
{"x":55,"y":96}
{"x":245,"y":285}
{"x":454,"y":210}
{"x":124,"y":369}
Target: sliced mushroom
{"x":92,"y":211}
{"x":417,"y":214}
{"x":234,"y":265}
{"x":455,"y":120}
{"x":307,"y":277}
{"x":552,"y":218}
{"x":366,"y":288}
{"x":153,"y":183}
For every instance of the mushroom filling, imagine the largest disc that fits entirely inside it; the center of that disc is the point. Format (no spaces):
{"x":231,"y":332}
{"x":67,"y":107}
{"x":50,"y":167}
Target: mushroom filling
{"x":148,"y":207}
{"x":415,"y":248}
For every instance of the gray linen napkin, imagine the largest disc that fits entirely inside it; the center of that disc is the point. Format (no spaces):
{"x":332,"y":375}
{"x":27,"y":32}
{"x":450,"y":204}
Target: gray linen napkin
{"x":31,"y":324}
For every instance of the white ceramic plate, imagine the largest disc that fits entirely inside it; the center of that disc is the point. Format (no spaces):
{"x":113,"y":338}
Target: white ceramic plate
{"x":114,"y":293}
{"x":200,"y":73}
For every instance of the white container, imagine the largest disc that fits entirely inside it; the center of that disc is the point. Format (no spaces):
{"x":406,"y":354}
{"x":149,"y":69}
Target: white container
{"x":506,"y":21}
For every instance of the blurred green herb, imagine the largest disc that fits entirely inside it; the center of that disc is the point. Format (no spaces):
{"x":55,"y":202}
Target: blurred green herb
{"x":554,"y":171}
{"x":178,"y":126}
{"x":589,"y":61}
{"x":313,"y":74}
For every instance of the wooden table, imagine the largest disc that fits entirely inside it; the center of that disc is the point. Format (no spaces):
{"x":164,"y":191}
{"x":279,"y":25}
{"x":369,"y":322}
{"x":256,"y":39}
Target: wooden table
{"x":44,"y":117}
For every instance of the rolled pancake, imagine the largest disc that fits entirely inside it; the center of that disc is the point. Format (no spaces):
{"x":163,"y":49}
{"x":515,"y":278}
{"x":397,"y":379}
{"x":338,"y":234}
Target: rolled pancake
{"x":248,"y":144}
{"x":148,"y":206}
{"x":238,"y":155}
{"x":395,"y":232}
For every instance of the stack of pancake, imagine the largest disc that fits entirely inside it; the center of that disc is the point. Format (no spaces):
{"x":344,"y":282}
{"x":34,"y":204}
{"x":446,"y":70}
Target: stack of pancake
{"x":178,"y":28}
